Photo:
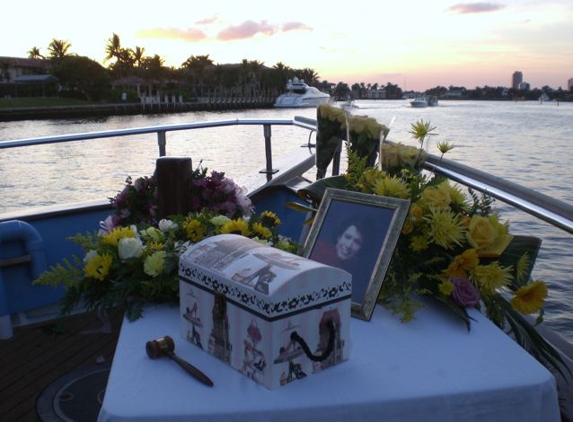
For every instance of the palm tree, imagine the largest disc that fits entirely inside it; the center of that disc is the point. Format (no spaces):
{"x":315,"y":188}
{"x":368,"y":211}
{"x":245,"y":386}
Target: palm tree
{"x":309,"y":75}
{"x":59,"y":48}
{"x":196,"y":67}
{"x":253,"y":76}
{"x":34,"y":53}
{"x":138,"y":55}
{"x":113,"y":47}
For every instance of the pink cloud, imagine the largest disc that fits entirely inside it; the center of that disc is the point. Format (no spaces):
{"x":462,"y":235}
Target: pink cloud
{"x":295,"y":26}
{"x":190,"y":35}
{"x":247,"y":29}
{"x":208,"y":21}
{"x":464,"y":8}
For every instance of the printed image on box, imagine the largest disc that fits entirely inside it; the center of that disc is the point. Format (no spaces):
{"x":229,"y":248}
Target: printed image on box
{"x":274,"y":316}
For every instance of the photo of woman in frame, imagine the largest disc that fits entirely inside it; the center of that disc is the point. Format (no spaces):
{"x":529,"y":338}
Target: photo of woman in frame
{"x":357,"y":233}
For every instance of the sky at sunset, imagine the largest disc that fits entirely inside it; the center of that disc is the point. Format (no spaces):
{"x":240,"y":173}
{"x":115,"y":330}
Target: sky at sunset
{"x":416,"y":44}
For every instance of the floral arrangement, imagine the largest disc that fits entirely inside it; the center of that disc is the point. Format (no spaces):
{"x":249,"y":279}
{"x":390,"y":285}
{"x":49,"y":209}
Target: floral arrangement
{"x":126,"y":266}
{"x":453,"y":247}
{"x":137,"y":202}
{"x":335,"y":124}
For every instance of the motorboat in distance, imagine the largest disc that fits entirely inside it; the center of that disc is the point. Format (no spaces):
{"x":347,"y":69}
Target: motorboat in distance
{"x":300,"y":95}
{"x":424,"y":101}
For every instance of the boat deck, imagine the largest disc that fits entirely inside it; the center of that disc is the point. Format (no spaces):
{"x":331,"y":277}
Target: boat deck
{"x":38,"y":354}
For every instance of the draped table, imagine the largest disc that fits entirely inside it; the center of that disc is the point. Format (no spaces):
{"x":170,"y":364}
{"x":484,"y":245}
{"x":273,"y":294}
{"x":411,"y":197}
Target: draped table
{"x":431,"y":369}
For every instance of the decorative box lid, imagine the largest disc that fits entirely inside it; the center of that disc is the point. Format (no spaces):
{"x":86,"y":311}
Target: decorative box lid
{"x":269,"y":281}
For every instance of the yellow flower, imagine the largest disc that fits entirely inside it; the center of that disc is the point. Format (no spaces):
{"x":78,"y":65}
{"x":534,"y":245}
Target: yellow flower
{"x":462,"y":263}
{"x":488,"y":236}
{"x":421,"y":130}
{"x":220,"y":220}
{"x":418,"y":243}
{"x":436,"y":197}
{"x":491,"y":278}
{"x":416,"y":211}
{"x":154,"y":246}
{"x":236,"y":226}
{"x":154,"y":234}
{"x":261,"y":230}
{"x":456,"y":195}
{"x":391,"y":186}
{"x":194,"y":229}
{"x":154,"y":263}
{"x":98,"y":266}
{"x":531,"y":298}
{"x":446,"y":287}
{"x":397,"y":156}
{"x":445,"y":229}
{"x":445,"y":147}
{"x":357,"y":124}
{"x":407,"y":228}
{"x":112,"y":238}
{"x":270,"y":219}
{"x":369,"y":178}
{"x":334,"y":114}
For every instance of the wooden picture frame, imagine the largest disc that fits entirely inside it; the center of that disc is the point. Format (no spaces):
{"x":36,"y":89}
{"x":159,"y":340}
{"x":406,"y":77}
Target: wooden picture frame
{"x":358,"y":233}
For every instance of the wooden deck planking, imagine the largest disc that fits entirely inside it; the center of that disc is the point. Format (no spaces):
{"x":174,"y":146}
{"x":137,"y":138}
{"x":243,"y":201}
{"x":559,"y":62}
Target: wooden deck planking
{"x":34,"y":357}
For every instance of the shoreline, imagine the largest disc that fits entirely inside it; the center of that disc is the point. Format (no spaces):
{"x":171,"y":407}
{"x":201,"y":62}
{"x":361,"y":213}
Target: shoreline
{"x":119,"y":109}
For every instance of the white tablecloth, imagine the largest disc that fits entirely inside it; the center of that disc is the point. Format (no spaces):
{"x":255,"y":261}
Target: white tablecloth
{"x":431,"y":369}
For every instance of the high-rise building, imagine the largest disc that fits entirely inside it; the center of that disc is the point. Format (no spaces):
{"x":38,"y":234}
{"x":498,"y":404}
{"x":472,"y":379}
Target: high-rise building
{"x":517,"y":79}
{"x":570,"y":84}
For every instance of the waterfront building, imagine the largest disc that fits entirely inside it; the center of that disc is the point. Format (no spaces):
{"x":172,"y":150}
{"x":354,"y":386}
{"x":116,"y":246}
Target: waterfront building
{"x":517,"y":79}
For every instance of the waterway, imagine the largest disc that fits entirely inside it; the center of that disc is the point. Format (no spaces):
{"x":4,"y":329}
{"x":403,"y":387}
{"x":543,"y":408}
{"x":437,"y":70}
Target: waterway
{"x":525,"y":142}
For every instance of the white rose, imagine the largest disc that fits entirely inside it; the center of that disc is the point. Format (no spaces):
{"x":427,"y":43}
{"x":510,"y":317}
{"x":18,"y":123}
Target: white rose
{"x":91,"y":253}
{"x":167,"y":225}
{"x":130,"y":247}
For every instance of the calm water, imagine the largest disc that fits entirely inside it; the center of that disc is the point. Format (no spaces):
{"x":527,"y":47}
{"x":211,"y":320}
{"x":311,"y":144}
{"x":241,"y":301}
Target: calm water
{"x":525,"y":142}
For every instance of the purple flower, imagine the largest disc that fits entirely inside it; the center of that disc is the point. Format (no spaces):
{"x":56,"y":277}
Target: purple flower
{"x":465,"y":293}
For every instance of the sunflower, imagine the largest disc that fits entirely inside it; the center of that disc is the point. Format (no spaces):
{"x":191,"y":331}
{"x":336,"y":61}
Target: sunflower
{"x":237,"y":227}
{"x":531,"y":298}
{"x":98,"y":266}
{"x":112,"y":238}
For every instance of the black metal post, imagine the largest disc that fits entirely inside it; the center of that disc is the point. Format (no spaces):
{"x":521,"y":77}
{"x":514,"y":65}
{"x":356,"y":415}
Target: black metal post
{"x":173,"y":175}
{"x":268,"y":151}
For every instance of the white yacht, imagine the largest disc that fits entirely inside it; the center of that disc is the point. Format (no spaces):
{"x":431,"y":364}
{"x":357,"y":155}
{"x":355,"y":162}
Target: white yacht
{"x":298,"y":94}
{"x":424,"y":101}
{"x":419,"y":102}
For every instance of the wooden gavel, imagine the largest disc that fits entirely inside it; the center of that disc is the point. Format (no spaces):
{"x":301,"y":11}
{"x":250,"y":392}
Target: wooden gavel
{"x":165,"y":346}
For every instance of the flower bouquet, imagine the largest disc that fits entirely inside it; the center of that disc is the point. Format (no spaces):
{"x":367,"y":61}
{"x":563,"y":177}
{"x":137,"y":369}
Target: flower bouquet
{"x":137,"y":202}
{"x":335,"y":125}
{"x":133,"y":260}
{"x":453,"y":247}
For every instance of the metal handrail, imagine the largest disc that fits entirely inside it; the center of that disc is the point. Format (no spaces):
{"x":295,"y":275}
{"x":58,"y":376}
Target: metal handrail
{"x":162,"y":130}
{"x":548,"y":209}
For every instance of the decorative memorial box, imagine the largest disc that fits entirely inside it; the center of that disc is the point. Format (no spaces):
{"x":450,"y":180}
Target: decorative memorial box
{"x":273,"y":316}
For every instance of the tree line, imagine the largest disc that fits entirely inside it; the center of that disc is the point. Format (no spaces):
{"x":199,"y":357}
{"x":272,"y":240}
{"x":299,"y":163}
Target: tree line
{"x":199,"y":76}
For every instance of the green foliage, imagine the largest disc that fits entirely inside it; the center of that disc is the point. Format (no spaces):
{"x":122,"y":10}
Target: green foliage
{"x":67,"y":273}
{"x":82,"y":75}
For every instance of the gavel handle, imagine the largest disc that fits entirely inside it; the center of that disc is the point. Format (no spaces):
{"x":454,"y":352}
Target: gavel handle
{"x":190,"y":369}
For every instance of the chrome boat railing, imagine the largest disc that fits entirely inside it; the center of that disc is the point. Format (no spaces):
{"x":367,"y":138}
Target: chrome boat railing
{"x":544,"y":207}
{"x":162,"y":131}
{"x":548,"y":209}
